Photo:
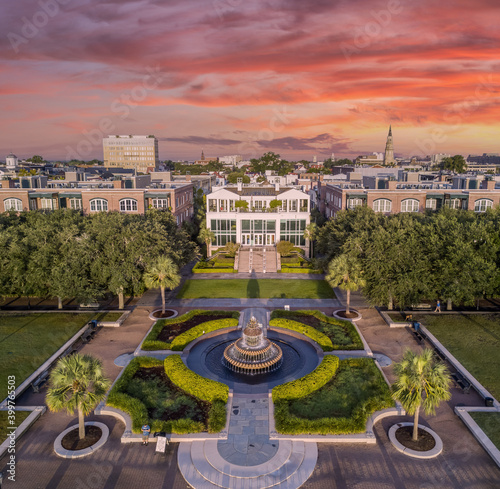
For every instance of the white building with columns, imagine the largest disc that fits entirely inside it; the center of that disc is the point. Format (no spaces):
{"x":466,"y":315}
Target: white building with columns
{"x":271,"y":214}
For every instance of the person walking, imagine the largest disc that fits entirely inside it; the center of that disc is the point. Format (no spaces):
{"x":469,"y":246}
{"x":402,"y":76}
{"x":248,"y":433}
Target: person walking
{"x":438,"y":307}
{"x":146,"y":430}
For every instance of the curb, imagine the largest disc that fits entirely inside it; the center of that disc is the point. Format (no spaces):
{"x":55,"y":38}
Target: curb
{"x":63,"y":453}
{"x":413,"y":453}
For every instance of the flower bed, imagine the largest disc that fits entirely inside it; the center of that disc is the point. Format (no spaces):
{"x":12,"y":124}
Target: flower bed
{"x":331,"y":400}
{"x":339,"y":334}
{"x":160,"y":394}
{"x":166,"y":332}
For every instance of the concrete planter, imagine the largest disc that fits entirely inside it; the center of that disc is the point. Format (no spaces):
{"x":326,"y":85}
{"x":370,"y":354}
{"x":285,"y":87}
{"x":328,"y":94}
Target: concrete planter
{"x":62,"y":452}
{"x":438,"y":448}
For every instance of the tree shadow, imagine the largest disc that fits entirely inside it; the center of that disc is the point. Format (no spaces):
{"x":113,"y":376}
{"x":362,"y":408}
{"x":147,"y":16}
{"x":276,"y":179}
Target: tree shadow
{"x":253,"y":288}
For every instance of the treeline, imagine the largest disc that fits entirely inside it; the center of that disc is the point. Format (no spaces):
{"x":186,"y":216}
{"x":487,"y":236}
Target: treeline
{"x":451,"y":255}
{"x":67,"y":255}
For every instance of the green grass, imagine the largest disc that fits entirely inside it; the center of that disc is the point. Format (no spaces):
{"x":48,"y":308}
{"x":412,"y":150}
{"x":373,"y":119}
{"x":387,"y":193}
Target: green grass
{"x":397,"y":317}
{"x":490,"y":424}
{"x":474,"y":339}
{"x":256,"y":289}
{"x":110,"y":317}
{"x":27,"y":340}
{"x":4,"y":422}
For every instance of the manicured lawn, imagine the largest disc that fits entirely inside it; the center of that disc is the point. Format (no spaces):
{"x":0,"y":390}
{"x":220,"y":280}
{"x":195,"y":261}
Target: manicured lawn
{"x":27,"y":340}
{"x":490,"y":424}
{"x":474,"y":339}
{"x":255,"y":289}
{"x":20,"y":417}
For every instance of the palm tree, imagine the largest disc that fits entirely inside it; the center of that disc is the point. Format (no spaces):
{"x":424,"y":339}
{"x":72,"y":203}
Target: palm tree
{"x":345,"y":272}
{"x":162,"y":273}
{"x":420,"y":382}
{"x":77,"y":383}
{"x":206,"y":236}
{"x":310,"y":233}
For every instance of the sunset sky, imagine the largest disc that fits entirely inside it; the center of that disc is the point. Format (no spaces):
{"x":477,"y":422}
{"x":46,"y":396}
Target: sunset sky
{"x":302,"y":78}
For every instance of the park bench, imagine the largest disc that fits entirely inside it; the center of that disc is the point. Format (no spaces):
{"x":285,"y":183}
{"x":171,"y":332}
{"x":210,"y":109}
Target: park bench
{"x":90,"y":305}
{"x":439,"y":355}
{"x":421,"y":307}
{"x":41,"y":379}
{"x":461,"y":382}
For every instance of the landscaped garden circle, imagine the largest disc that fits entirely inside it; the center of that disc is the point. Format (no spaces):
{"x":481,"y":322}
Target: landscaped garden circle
{"x":68,"y":444}
{"x":428,"y":445}
{"x":159,"y":314}
{"x":169,"y":397}
{"x":336,"y":398}
{"x":72,"y":441}
{"x":329,"y":333}
{"x":176,"y":333}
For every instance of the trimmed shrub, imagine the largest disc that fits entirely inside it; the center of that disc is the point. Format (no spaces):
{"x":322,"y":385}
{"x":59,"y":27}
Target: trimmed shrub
{"x":311,"y":382}
{"x":151,"y":342}
{"x":208,"y":390}
{"x":192,"y":383}
{"x":347,"y":327}
{"x":181,"y":341}
{"x":288,"y":423}
{"x":323,"y":341}
{"x":117,"y":398}
{"x":298,"y":270}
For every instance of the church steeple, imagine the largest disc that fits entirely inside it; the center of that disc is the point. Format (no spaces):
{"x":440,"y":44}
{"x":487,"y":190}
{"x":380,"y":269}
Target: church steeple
{"x":202,"y":155}
{"x":389,"y":149}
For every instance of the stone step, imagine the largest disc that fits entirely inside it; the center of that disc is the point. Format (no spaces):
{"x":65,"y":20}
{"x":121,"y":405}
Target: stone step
{"x":203,"y":467}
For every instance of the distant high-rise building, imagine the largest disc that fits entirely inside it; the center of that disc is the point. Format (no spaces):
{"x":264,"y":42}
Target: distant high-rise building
{"x":389,"y":149}
{"x":133,"y":152}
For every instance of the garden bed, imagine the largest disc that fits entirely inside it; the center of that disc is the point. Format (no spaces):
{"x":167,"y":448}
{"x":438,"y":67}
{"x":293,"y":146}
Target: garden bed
{"x":177,"y":332}
{"x":169,"y":397}
{"x":339,"y":334}
{"x":336,"y":398}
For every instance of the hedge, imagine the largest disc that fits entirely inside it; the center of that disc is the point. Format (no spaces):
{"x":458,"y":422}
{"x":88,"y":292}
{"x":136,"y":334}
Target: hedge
{"x":192,"y":383}
{"x":180,"y":342}
{"x":151,"y":343}
{"x":311,"y":382}
{"x":286,"y":423}
{"x":298,"y":270}
{"x":208,"y":390}
{"x":323,"y":341}
{"x":138,"y":411}
{"x":347,"y":326}
{"x":215,"y":270}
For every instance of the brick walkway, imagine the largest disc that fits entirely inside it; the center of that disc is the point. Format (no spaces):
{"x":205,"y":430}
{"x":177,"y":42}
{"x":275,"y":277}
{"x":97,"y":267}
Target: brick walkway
{"x":463,"y":463}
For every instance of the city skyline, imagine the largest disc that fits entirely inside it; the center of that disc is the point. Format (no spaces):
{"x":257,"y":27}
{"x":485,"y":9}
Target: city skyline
{"x":300,"y":79}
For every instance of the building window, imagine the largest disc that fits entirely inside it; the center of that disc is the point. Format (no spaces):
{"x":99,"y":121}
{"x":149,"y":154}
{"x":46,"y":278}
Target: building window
{"x":97,"y":205}
{"x":431,"y":204}
{"x":352,"y":203}
{"x":293,"y":230}
{"x":33,"y":205}
{"x":13,"y":204}
{"x":75,"y":203}
{"x":46,"y":203}
{"x":160,"y":203}
{"x":212,"y":205}
{"x":382,"y":205}
{"x":455,"y":203}
{"x":482,"y":205}
{"x":304,"y":205}
{"x":128,"y":205}
{"x":410,"y":205}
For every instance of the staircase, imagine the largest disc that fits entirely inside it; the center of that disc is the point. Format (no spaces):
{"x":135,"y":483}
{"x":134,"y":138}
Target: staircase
{"x":258,"y":259}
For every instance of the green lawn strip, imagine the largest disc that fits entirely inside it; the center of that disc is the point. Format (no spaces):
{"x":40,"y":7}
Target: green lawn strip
{"x":110,"y":317}
{"x":5,"y":423}
{"x":151,"y":343}
{"x":256,"y":289}
{"x":28,"y":340}
{"x":341,"y":405}
{"x":148,"y":399}
{"x":299,"y":270}
{"x":397,"y":317}
{"x":474,"y":339}
{"x":341,"y":335}
{"x":490,"y":424}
